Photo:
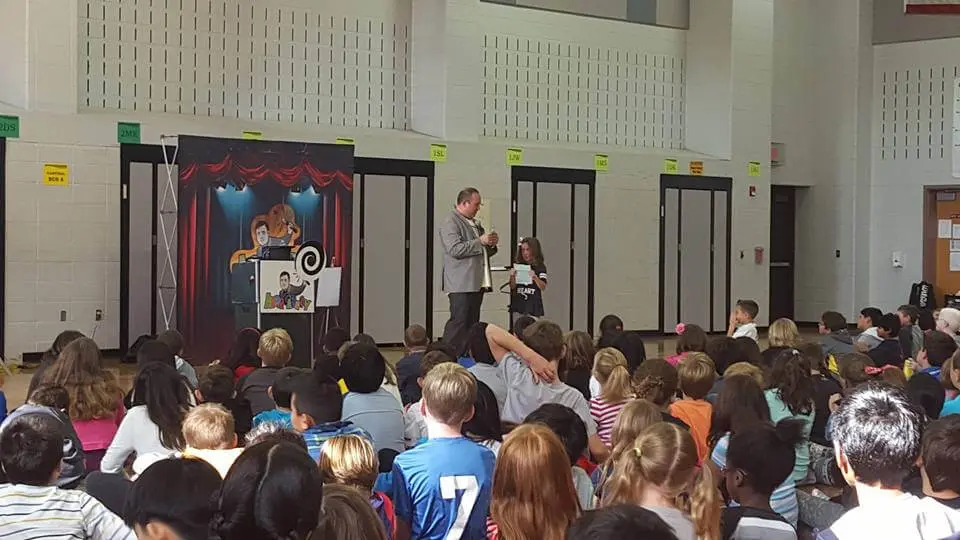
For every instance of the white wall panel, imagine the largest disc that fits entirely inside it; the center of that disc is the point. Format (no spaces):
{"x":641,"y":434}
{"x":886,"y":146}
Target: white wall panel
{"x":912,"y":139}
{"x":295,"y":61}
{"x":548,"y":78}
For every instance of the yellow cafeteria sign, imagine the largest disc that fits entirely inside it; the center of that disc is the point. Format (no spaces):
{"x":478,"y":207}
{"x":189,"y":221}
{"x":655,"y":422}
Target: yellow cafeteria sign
{"x":56,"y":174}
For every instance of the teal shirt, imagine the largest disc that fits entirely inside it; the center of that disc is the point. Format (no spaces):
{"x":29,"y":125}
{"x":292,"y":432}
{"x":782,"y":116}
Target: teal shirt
{"x":779,"y":411}
{"x":951,"y":407}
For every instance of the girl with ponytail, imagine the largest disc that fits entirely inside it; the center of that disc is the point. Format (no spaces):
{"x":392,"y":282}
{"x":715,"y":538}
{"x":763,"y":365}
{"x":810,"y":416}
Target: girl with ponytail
{"x":610,"y":370}
{"x":790,"y":393}
{"x":635,"y":417}
{"x":659,"y":472}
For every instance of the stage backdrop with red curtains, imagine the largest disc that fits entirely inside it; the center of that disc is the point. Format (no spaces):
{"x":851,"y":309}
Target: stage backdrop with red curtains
{"x":233,"y":195}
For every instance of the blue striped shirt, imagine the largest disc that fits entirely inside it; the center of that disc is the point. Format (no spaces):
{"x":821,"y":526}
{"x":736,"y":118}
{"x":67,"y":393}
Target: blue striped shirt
{"x":37,"y":512}
{"x":318,"y":435}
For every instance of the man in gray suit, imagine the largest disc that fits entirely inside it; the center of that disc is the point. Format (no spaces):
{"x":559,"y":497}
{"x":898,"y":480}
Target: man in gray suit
{"x":464,"y":242}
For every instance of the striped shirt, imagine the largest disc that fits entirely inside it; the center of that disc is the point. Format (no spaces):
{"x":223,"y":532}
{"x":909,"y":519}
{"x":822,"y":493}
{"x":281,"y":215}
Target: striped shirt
{"x":605,"y":415}
{"x":318,"y":435}
{"x":36,"y":512}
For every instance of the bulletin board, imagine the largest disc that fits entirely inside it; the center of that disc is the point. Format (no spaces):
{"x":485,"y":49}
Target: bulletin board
{"x":947,"y":274}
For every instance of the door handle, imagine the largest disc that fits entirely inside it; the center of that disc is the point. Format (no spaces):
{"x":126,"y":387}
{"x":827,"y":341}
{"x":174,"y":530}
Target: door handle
{"x":780,"y":265}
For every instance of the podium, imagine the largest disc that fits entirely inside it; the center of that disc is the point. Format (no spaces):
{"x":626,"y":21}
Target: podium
{"x":266,"y":294}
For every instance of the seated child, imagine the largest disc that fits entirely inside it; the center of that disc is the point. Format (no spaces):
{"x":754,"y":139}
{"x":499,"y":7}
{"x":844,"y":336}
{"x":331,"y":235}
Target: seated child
{"x":520,"y":325}
{"x":174,"y":341}
{"x":656,"y":381}
{"x":926,"y":392}
{"x":637,"y":416}
{"x":368,"y":404}
{"x":911,"y":335}
{"x":759,"y":458}
{"x":346,"y":515}
{"x":888,"y":351}
{"x":327,"y":366}
{"x":171,"y":500}
{"x":741,"y":320}
{"x":478,"y":357}
{"x":616,"y":390}
{"x":443,"y":486}
{"x":940,"y":461}
{"x":217,"y":386}
{"x":209,"y":434}
{"x":54,"y":401}
{"x":275,"y":351}
{"x":618,"y":522}
{"x":525,"y":393}
{"x":835,"y":339}
{"x":280,"y":392}
{"x":349,"y":460}
{"x":950,"y":380}
{"x":876,"y":434}
{"x":948,"y":321}
{"x":31,"y":451}
{"x":408,"y":368}
{"x":569,"y":428}
{"x":660,"y":473}
{"x":696,"y":373}
{"x":415,"y":427}
{"x":152,"y":351}
{"x":690,"y":338}
{"x":315,"y":410}
{"x":937,"y":349}
{"x":867,"y":323}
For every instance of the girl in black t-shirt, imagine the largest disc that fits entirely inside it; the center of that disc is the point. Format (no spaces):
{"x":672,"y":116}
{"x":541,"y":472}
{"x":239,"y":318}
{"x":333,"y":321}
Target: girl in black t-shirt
{"x":527,"y":299}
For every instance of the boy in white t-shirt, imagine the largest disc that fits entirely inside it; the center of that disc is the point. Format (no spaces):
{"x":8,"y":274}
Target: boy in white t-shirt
{"x":876,"y":437}
{"x":741,"y":320}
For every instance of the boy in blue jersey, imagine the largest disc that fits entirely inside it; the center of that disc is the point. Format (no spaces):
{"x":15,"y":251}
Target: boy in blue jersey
{"x":443,"y":486}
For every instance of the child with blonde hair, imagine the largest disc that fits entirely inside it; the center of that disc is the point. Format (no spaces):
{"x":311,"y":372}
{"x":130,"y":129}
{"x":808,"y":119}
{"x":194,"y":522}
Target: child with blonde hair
{"x":635,"y":417}
{"x":659,"y":472}
{"x":350,"y":460}
{"x":209,"y":433}
{"x":442,"y":487}
{"x":415,"y":426}
{"x":616,"y":389}
{"x":275,"y":351}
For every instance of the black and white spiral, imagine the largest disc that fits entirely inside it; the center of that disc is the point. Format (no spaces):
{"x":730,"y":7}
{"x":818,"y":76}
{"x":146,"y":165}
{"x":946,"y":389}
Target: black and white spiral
{"x":311,"y":259}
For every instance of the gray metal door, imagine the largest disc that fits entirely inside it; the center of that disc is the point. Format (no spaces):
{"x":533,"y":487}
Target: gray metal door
{"x":556,"y":207}
{"x":148,"y":266}
{"x":393,"y":242}
{"x":695,"y":252}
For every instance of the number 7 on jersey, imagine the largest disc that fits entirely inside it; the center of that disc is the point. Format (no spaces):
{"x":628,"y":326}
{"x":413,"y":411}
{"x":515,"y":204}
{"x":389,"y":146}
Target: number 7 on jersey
{"x":449,"y":486}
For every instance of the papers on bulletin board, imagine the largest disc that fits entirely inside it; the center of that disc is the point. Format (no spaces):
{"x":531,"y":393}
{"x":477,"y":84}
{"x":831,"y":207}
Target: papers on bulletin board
{"x":944,"y":228}
{"x":523,"y":274}
{"x":954,"y":245}
{"x":956,"y":231}
{"x":955,"y":262}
